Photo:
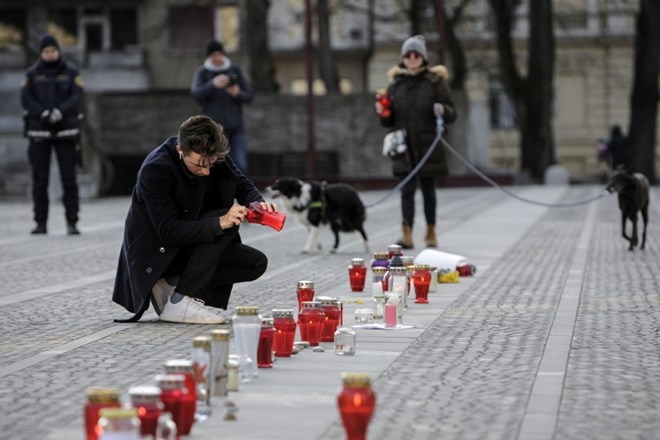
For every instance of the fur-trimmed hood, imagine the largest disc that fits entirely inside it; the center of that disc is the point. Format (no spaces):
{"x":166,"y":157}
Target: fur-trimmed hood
{"x":440,"y":70}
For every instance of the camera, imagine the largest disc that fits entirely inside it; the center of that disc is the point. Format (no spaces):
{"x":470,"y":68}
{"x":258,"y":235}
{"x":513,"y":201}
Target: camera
{"x":233,"y":79}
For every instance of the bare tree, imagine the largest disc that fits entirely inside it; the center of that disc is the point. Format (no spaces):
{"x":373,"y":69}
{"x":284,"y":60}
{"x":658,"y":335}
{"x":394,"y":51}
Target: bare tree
{"x":255,"y":34}
{"x":645,"y":94}
{"x":532,"y":95}
{"x":327,"y":63}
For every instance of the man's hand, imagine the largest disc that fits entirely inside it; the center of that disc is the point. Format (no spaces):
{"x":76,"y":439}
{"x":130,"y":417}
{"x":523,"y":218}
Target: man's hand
{"x":55,"y":116}
{"x":233,"y":217}
{"x":221,"y":81}
{"x":233,"y":90}
{"x":268,"y":206}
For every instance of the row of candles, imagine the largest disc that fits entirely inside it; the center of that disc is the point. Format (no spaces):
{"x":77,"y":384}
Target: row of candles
{"x":182,"y":393}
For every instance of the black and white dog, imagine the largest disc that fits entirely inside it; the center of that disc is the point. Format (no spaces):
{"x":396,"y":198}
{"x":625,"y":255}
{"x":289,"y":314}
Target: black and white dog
{"x":317,"y":203}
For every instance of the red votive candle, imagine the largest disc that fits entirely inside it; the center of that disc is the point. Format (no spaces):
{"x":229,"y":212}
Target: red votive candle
{"x":305,"y":292}
{"x":172,"y":391}
{"x":146,"y":400}
{"x":285,"y":332}
{"x":310,"y":321}
{"x":331,"y":318}
{"x":97,"y":398}
{"x":422,"y":281}
{"x":357,"y":273}
{"x":189,"y":398}
{"x":265,"y":348}
{"x":357,"y":403}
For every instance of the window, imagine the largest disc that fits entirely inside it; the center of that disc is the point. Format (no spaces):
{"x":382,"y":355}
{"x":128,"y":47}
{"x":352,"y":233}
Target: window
{"x":191,"y":27}
{"x":12,"y":28}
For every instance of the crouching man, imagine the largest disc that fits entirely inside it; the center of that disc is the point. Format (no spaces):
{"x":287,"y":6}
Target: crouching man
{"x":181,"y":247}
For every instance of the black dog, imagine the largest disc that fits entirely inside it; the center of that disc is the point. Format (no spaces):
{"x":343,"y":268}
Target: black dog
{"x":318,"y":203}
{"x":633,"y":191}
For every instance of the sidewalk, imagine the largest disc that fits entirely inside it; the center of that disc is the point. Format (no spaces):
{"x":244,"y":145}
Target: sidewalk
{"x":555,"y":336}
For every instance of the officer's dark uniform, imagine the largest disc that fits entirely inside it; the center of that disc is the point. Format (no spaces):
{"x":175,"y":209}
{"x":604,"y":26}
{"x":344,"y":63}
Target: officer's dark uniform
{"x":48,"y":89}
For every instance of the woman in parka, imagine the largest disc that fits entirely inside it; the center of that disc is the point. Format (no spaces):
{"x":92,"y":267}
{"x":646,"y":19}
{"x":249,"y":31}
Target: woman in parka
{"x":414,"y":90}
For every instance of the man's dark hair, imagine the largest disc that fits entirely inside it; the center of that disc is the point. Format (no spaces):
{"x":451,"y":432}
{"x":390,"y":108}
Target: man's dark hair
{"x":204,"y":136}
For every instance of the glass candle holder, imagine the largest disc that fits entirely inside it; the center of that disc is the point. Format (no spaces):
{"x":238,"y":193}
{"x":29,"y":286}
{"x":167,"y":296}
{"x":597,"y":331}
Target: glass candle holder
{"x":97,"y":399}
{"x":385,"y":103}
{"x":357,"y":273}
{"x":378,"y":307}
{"x":184,"y":367}
{"x":285,"y":332}
{"x":394,"y":249}
{"x":118,"y":423}
{"x":363,"y":316}
{"x":201,"y":364}
{"x":233,"y":375}
{"x":219,"y":357}
{"x":172,"y":390}
{"x":265,"y":349}
{"x":357,"y":403}
{"x":380,"y":260}
{"x":247,"y":327}
{"x":422,"y":281}
{"x":257,"y":214}
{"x":331,"y":317}
{"x":310,"y":320}
{"x":146,"y":400}
{"x":344,"y":339}
{"x":305,"y":292}
{"x":166,"y":429}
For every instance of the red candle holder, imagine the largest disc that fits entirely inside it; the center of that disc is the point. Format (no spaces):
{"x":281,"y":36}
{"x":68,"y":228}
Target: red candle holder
{"x":385,"y":102}
{"x":285,"y":332}
{"x":466,"y":270}
{"x":257,"y":214}
{"x":357,"y":273}
{"x":422,"y":281}
{"x":310,"y":320}
{"x":357,"y":403}
{"x":146,"y":400}
{"x":265,"y":347}
{"x":184,"y":367}
{"x":305,"y":292}
{"x":332,"y":318}
{"x":172,"y":391}
{"x":394,"y":249}
{"x":97,"y":398}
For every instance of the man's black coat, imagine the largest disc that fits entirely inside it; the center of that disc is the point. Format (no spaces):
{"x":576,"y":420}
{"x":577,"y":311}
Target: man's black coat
{"x":165,"y":214}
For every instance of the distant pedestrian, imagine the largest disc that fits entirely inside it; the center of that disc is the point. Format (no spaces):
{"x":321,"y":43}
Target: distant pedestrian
{"x":416,"y":92}
{"x":51,"y":94}
{"x":617,"y":147}
{"x":221,"y":89}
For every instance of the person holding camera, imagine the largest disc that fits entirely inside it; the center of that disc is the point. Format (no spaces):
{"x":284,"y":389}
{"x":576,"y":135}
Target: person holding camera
{"x":51,"y":94}
{"x":221,"y":89}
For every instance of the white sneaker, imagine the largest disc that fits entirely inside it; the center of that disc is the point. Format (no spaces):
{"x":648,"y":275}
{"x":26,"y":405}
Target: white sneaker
{"x":191,"y":311}
{"x":160,"y":294}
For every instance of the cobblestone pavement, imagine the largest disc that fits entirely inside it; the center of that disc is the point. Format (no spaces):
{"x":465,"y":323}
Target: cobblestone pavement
{"x":555,"y":337}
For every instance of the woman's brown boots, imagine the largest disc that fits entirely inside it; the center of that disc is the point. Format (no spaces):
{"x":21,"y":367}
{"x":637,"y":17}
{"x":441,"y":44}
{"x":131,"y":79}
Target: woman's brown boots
{"x":431,"y":240}
{"x":406,"y":242}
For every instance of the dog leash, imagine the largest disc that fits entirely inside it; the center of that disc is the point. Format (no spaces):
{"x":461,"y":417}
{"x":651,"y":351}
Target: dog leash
{"x":440,"y":127}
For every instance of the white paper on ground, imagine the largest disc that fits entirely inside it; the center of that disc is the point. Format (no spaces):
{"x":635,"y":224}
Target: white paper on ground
{"x":440,"y":260}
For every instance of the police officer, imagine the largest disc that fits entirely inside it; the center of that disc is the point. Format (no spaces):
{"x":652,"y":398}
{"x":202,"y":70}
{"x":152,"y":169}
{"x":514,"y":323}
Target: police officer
{"x":51,"y":93}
